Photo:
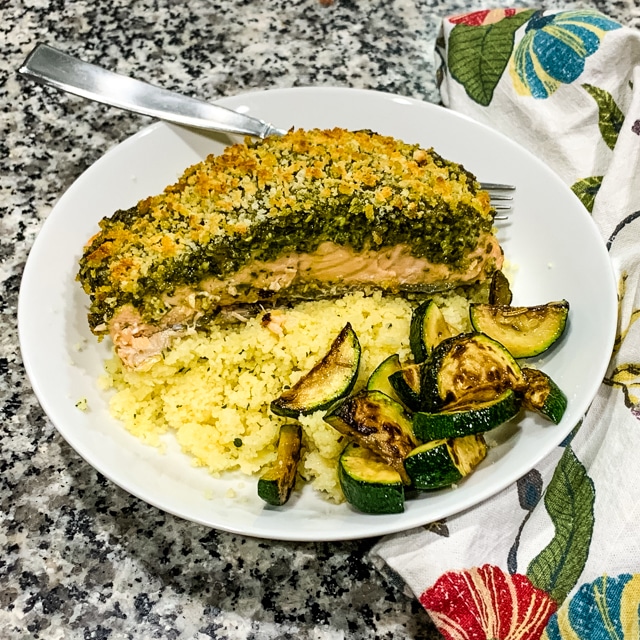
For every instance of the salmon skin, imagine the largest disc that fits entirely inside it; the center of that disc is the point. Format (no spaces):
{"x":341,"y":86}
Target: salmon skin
{"x":311,"y":214}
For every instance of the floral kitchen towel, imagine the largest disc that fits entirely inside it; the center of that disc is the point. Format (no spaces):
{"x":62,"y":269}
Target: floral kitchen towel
{"x":557,"y":555}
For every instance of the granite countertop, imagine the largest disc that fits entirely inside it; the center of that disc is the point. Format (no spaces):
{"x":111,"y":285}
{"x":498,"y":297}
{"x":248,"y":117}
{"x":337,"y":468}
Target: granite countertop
{"x":82,"y":558}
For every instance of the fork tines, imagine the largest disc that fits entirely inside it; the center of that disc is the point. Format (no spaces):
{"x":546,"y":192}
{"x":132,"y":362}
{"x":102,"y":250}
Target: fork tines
{"x":501,"y":196}
{"x":496,"y":186}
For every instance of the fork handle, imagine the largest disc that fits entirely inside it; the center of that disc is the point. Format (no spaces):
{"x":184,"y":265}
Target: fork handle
{"x":54,"y":68}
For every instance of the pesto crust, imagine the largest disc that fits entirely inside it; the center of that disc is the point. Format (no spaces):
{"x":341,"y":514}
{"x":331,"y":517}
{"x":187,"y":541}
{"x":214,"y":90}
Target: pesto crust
{"x":262,"y":199}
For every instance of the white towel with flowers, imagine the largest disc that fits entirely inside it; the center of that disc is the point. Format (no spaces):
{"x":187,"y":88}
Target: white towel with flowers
{"x":557,"y":555}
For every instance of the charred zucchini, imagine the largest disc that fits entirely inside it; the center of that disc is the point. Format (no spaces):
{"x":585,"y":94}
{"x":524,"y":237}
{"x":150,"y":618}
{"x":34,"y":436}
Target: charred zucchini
{"x":276,"y":484}
{"x":369,"y":484}
{"x":379,"y":379}
{"x":467,"y":364}
{"x":428,"y":328}
{"x":499,"y":289}
{"x":406,"y":384}
{"x":472,"y":414}
{"x":524,"y":331}
{"x":329,"y":380}
{"x":542,"y":394}
{"x":378,"y":423}
{"x":441,"y":463}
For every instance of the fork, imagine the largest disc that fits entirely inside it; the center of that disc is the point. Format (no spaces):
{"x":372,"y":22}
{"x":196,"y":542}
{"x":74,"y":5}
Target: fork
{"x":51,"y":67}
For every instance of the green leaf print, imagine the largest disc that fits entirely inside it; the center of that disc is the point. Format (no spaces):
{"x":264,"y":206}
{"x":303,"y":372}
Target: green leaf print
{"x":569,"y":501}
{"x":587,"y":190}
{"x":478,"y":55}
{"x":610,"y":116}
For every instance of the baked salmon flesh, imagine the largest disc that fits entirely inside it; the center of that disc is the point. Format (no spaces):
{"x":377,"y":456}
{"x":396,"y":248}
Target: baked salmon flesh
{"x":311,"y":214}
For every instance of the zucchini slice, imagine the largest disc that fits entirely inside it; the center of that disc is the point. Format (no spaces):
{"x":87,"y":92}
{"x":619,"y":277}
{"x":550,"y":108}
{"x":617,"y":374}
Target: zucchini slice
{"x":442,"y":463}
{"x":406,"y":384}
{"x":369,"y":484}
{"x":468,"y":452}
{"x":329,"y":380}
{"x":499,"y":289}
{"x":467,"y":364}
{"x":376,"y":422}
{"x":472,"y":414}
{"x":525,"y":331}
{"x":379,"y":379}
{"x":276,"y":484}
{"x":428,"y":329}
{"x":543,"y":395}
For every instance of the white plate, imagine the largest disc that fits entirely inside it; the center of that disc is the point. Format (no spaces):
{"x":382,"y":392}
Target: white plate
{"x":550,"y":238}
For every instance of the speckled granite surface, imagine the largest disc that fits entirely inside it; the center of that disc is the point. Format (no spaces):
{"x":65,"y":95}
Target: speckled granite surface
{"x":79,"y":557}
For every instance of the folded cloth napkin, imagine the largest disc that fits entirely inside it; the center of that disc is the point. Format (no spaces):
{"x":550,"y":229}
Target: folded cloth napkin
{"x":557,"y":555}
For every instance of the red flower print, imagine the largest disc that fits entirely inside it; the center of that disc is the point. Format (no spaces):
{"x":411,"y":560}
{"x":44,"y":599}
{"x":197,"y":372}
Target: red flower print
{"x":486,"y":16}
{"x":487,"y":604}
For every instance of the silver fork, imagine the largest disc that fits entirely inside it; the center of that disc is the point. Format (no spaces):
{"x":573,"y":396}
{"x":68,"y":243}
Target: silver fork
{"x":55,"y":68}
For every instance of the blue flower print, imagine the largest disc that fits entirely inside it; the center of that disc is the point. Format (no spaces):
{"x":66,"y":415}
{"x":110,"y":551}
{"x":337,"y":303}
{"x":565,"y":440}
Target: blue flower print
{"x":554,"y":48}
{"x":607,"y":608}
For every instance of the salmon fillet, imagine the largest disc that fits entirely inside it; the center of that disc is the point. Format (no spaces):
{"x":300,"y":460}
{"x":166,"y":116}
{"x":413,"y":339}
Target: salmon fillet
{"x":312,"y":214}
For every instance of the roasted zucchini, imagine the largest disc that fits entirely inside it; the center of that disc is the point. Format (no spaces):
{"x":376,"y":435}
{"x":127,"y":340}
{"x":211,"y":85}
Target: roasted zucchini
{"x":542,"y":395}
{"x":467,"y":364}
{"x":428,"y":329}
{"x":369,"y":484}
{"x":329,"y":380}
{"x":524,"y":331}
{"x":499,"y":289}
{"x":406,"y":384}
{"x":379,"y":379}
{"x":276,"y":484}
{"x":472,"y":414}
{"x":442,"y":463}
{"x":378,"y":423}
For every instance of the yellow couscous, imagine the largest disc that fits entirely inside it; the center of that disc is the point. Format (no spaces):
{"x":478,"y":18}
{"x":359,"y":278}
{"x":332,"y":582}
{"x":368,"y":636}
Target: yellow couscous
{"x":212,"y":390}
